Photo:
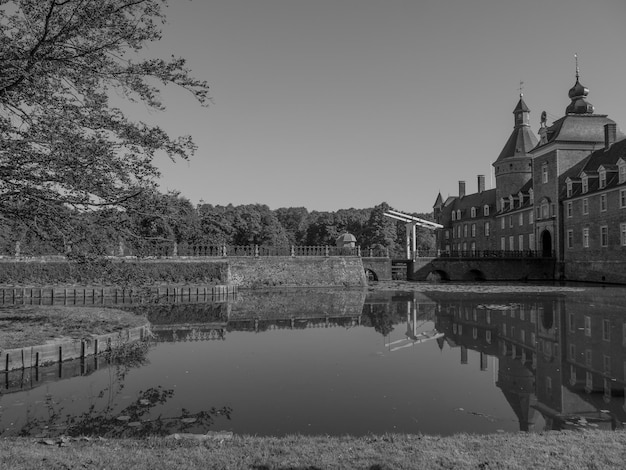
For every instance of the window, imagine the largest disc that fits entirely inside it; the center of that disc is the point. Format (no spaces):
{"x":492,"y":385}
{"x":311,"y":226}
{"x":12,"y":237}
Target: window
{"x":531,"y":218}
{"x":545,"y":210}
{"x":531,"y":241}
{"x":486,"y":211}
{"x":604,"y":235}
{"x":622,"y":171}
{"x":603,"y":202}
{"x":571,"y":322}
{"x":585,"y":184}
{"x":502,"y":223}
{"x":602,"y":177}
{"x":569,"y":188}
{"x":622,"y":198}
{"x":502,"y":243}
{"x":586,"y":237}
{"x":446,"y":234}
{"x":510,"y":221}
{"x":458,"y":214}
{"x":588,"y":357}
{"x":511,"y":243}
{"x":544,"y":173}
{"x":487,"y":229}
{"x":622,"y":234}
{"x":473,"y":212}
{"x":585,"y":206}
{"x":570,"y":239}
{"x":520,"y":239}
{"x":569,"y":209}
{"x":453,"y":215}
{"x":587,"y":325}
{"x":473,"y":230}
{"x":465,"y":230}
{"x":521,"y":219}
{"x":606,"y":330}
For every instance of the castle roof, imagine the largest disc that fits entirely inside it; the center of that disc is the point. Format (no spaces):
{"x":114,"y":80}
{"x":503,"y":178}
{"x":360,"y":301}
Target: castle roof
{"x":521,"y":140}
{"x":589,"y":165}
{"x":578,"y":128}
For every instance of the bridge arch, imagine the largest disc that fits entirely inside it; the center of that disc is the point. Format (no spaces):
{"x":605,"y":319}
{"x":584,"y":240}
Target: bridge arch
{"x":474,"y":275}
{"x":371,"y":275}
{"x":437,"y":275}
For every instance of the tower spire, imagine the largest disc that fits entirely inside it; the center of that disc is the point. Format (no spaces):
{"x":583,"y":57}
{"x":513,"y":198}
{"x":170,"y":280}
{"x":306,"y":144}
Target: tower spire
{"x":577,"y":69}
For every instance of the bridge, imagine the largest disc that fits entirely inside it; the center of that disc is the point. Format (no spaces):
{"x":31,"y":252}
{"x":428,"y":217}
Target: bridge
{"x":483,"y":266}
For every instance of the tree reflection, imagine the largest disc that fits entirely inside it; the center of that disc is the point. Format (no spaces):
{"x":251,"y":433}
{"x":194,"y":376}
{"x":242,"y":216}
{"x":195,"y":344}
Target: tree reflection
{"x":102,"y":418}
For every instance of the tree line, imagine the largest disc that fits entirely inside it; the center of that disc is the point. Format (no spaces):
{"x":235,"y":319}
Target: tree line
{"x":153,"y":219}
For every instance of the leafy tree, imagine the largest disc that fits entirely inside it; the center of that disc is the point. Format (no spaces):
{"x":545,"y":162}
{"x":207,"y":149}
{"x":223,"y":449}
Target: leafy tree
{"x":295,"y":221}
{"x":381,"y":230}
{"x":62,"y":144}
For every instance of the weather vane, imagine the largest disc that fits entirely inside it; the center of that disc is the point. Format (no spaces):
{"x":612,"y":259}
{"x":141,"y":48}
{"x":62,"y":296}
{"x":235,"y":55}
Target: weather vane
{"x":521,"y":88}
{"x":577,"y":70}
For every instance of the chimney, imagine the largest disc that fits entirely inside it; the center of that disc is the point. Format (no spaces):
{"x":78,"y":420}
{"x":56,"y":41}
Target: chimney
{"x":481,"y":183}
{"x":610,"y":134}
{"x":461,"y":188}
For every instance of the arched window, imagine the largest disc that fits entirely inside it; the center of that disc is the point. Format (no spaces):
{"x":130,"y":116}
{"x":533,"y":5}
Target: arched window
{"x":473,"y":212}
{"x":486,"y":211}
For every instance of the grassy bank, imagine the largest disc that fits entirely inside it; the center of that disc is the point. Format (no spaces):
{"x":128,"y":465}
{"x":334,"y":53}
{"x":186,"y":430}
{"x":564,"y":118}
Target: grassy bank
{"x":553,"y":450}
{"x":26,"y":326}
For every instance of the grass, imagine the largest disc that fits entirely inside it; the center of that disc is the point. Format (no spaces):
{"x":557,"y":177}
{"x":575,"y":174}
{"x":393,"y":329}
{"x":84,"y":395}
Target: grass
{"x":551,"y":450}
{"x":25,"y":326}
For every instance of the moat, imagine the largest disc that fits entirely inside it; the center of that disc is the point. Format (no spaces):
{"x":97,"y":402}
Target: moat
{"x":409,"y":358}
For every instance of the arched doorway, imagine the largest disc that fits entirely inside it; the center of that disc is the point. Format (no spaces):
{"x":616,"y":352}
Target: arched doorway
{"x":546,"y":244}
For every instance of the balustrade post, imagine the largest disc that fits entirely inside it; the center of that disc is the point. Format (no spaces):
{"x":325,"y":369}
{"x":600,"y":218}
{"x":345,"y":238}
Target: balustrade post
{"x":387,"y":252}
{"x":293,"y":251}
{"x":326,"y":251}
{"x":224,"y":254}
{"x":175,"y":249}
{"x":256,"y":251}
{"x":358,"y":251}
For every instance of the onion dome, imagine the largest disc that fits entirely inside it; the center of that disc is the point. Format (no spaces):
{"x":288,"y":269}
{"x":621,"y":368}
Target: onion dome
{"x":577,"y":94}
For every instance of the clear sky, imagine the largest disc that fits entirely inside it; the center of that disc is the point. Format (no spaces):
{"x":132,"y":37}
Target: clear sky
{"x":333,"y":104}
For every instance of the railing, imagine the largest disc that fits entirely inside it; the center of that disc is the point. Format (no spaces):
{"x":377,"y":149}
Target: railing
{"x":494,"y":254}
{"x":169,"y":250}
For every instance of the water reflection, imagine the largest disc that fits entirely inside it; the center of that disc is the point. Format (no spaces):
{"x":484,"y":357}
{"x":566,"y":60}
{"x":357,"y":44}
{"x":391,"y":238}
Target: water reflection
{"x":337,"y":362}
{"x":561,"y":356}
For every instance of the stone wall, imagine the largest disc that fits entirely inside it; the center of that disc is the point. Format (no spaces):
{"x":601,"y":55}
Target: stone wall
{"x":297,"y":272}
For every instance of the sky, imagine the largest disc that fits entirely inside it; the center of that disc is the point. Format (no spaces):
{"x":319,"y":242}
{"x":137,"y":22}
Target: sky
{"x":337,"y":104}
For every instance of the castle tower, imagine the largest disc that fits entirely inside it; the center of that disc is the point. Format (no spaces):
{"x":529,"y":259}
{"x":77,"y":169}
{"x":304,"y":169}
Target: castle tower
{"x":562,"y":146}
{"x":513,"y":167}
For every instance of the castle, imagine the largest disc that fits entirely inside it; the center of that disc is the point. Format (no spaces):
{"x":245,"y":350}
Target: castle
{"x":561,"y":195}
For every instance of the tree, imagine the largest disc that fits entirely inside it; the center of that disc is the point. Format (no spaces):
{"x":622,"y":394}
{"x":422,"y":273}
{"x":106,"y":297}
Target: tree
{"x":61,"y":142}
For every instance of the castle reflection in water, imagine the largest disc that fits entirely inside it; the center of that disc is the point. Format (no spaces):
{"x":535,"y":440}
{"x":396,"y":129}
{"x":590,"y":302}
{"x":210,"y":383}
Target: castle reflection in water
{"x":563,"y":359}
